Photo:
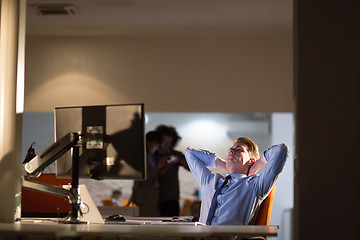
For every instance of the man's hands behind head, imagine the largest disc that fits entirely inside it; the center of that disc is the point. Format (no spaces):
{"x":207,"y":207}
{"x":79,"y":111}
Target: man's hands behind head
{"x":259,"y":164}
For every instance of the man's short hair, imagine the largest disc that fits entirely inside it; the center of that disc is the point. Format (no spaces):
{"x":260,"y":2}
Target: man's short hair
{"x":252,"y":147}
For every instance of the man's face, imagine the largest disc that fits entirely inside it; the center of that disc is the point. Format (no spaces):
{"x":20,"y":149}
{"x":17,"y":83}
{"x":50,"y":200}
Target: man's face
{"x":167,"y":142}
{"x":238,"y":154}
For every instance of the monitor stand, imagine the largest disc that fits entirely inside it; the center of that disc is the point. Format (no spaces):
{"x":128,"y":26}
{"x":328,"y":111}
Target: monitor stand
{"x":74,"y":190}
{"x":36,"y":165}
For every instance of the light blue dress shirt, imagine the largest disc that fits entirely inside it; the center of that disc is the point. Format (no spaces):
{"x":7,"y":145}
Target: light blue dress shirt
{"x":239,"y":201}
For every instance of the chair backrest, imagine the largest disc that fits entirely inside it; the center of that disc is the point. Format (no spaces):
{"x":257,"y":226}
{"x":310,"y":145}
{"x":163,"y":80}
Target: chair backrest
{"x":264,"y":214}
{"x":126,"y":203}
{"x":107,"y":202}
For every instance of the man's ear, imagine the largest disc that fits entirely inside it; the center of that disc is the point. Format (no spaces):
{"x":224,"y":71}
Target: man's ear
{"x":250,"y":162}
{"x":251,"y":170}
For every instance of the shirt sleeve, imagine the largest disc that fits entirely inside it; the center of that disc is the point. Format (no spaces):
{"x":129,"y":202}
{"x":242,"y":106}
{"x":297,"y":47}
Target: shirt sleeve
{"x":276,"y":157}
{"x":198,"y":160}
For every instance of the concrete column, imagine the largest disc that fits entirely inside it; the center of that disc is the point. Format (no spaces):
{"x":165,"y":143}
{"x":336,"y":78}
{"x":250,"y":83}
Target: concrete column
{"x":10,"y":166}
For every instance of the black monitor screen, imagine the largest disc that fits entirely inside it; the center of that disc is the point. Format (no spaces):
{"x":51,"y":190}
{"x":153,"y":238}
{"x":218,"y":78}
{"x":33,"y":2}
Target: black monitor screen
{"x":111,"y":141}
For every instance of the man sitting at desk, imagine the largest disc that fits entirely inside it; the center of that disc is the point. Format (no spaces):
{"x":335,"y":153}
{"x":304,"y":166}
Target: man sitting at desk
{"x":237,"y":197}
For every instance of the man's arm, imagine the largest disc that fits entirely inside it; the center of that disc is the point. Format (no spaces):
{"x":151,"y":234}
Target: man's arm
{"x":220,"y":163}
{"x":275,"y":157}
{"x":198,"y":160}
{"x":259,"y":164}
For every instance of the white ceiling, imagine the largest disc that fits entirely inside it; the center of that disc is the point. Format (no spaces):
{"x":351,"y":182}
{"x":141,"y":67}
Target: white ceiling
{"x":144,"y":17}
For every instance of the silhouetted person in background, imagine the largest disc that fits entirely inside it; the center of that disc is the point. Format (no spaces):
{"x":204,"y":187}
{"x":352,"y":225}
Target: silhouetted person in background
{"x":146,"y":193}
{"x":169,"y":162}
{"x":115,"y":196}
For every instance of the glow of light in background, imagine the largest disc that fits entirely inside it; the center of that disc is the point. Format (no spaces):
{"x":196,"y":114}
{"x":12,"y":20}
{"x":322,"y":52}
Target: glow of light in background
{"x":205,"y":134}
{"x":147,"y":119}
{"x":205,"y":129}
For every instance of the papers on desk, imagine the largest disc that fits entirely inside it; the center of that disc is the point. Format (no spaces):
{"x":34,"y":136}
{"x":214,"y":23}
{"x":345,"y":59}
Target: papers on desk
{"x":159,"y":221}
{"x":139,"y":222}
{"x":178,"y":223}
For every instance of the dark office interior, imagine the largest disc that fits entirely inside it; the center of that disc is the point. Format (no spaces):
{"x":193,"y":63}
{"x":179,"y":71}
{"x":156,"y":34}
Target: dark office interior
{"x":321,"y":78}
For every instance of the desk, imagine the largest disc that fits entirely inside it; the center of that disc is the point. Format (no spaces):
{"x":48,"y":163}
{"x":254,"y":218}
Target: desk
{"x":125,"y":211}
{"x":100,"y":231}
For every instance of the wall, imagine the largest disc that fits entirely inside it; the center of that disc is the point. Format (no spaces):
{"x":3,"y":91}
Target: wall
{"x":282,"y":131}
{"x":37,"y":131}
{"x":327,"y":120}
{"x":168,"y":74}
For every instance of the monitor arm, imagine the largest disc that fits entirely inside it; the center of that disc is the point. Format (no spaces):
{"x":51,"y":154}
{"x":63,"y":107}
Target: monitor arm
{"x":46,"y":188}
{"x":37,"y":164}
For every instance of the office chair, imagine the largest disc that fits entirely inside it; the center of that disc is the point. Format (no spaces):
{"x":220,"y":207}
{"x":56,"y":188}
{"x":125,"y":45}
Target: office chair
{"x":126,"y":203}
{"x":107,"y":202}
{"x":264,"y":214}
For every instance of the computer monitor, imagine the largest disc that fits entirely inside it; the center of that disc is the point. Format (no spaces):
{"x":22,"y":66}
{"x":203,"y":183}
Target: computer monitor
{"x":112,"y":142}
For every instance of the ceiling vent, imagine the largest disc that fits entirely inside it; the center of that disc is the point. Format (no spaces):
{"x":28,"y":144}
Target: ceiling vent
{"x":55,"y":9}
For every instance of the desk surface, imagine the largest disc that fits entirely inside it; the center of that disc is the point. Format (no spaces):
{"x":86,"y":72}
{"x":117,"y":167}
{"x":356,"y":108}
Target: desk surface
{"x":133,"y":231}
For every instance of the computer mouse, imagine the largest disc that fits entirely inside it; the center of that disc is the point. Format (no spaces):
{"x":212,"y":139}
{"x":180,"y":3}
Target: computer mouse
{"x":119,"y":218}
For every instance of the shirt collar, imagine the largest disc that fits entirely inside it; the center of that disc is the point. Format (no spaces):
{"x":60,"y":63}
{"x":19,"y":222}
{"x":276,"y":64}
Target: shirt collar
{"x":239,"y":175}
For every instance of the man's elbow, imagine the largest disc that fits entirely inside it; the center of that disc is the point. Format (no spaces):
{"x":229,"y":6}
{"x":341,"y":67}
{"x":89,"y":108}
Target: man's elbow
{"x":285,"y":148}
{"x":187,"y":152}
